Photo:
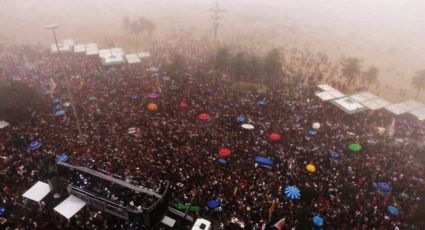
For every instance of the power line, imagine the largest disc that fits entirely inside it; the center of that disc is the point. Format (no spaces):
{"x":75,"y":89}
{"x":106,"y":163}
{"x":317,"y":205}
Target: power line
{"x":216,"y":19}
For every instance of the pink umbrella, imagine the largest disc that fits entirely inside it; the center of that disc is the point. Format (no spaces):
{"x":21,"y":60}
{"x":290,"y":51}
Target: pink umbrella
{"x":203,"y":116}
{"x":153,"y":95}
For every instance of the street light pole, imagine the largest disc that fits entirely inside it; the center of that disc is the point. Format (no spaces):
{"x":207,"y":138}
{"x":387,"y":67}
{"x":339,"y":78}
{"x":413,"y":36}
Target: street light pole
{"x":53,"y":27}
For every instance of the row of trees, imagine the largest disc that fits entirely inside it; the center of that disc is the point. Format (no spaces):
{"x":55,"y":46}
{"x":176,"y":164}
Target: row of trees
{"x":138,"y":27}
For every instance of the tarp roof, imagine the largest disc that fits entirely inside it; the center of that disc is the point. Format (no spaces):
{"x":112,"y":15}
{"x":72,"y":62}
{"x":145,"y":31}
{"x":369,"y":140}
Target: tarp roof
{"x":419,"y":113}
{"x":37,"y":192}
{"x":325,"y":87}
{"x":70,"y":206}
{"x":3,"y":124}
{"x":112,"y":60}
{"x":329,"y":95}
{"x":363,"y":96}
{"x":132,"y":58}
{"x":80,"y":48}
{"x":348,"y":105}
{"x":375,"y":104}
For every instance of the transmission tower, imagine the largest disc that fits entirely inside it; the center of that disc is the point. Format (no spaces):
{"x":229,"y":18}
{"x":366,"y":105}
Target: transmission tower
{"x":216,"y":17}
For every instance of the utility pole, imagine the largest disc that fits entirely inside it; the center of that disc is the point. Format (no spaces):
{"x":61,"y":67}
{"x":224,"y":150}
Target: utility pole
{"x":53,"y":27}
{"x":216,"y":19}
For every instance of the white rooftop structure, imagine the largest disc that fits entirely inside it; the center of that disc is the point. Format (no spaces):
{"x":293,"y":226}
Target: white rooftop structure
{"x":68,"y":42}
{"x":4,"y":124}
{"x":363,"y":96}
{"x":69,"y":207}
{"x":91,"y":49}
{"x":144,"y":55}
{"x":62,"y":48}
{"x":80,"y":48}
{"x":111,"y":52}
{"x":329,"y":95}
{"x":404,"y":107}
{"x":325,"y":87}
{"x":419,"y":113}
{"x":375,"y":104}
{"x":132,"y":58}
{"x":349,"y":105}
{"x":37,"y":192}
{"x":113,"y":60}
{"x":201,"y":224}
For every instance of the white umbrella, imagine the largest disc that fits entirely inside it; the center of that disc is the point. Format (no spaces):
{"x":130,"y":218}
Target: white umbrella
{"x":248,"y":126}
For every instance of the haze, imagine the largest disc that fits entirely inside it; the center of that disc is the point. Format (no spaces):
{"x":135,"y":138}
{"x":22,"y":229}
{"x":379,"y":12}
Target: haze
{"x":385,"y":33}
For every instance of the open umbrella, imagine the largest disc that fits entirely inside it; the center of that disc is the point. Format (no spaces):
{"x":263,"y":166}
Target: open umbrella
{"x":241,"y":119}
{"x":384,"y":187}
{"x":392,"y":210}
{"x":261,"y":102}
{"x":222,"y":161}
{"x":62,"y":158}
{"x":34,"y":145}
{"x":67,"y":104}
{"x":59,"y":113}
{"x":292,"y":192}
{"x":57,"y":107}
{"x":152,"y":107}
{"x":213,"y":204}
{"x":224,"y":152}
{"x":153,"y":95}
{"x":264,"y":161}
{"x":2,"y":210}
{"x":355,"y":147}
{"x":334,"y":155}
{"x":316,"y":125}
{"x":318,"y":221}
{"x":203,"y":116}
{"x":55,"y":101}
{"x":310,"y":168}
{"x":312,"y":132}
{"x":275,"y":137}
{"x":184,"y":105}
{"x":135,"y":97}
{"x":247,"y":126}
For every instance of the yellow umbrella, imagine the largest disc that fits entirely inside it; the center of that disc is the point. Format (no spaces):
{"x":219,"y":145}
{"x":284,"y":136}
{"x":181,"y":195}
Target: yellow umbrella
{"x":310,"y":168}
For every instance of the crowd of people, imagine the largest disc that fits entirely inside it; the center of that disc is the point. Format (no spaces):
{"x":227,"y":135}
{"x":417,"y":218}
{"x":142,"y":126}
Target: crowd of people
{"x":173,"y":144}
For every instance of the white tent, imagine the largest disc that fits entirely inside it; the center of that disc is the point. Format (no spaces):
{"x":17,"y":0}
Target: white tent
{"x":69,"y":207}
{"x":3,"y":124}
{"x":329,"y":95}
{"x":37,"y":192}
{"x":411,"y":105}
{"x":419,"y":113}
{"x":395,"y":109}
{"x":91,"y":49}
{"x":132,"y":58}
{"x":363,"y":96}
{"x":349,"y":105}
{"x":113,"y":60}
{"x":80,"y":48}
{"x":144,"y":55}
{"x":325,"y":87}
{"x":375,"y":104}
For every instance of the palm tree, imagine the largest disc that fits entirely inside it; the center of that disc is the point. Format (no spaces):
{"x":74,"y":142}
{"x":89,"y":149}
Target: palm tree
{"x":351,"y":68}
{"x":371,"y":75}
{"x":418,"y":81}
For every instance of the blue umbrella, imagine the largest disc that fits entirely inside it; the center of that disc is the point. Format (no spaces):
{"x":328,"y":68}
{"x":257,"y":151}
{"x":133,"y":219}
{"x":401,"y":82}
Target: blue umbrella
{"x":62,"y":158}
{"x":135,"y":97}
{"x":312,"y":132}
{"x":241,"y":119}
{"x":261,"y":102}
{"x":213,"y":204}
{"x":57,"y":107}
{"x":35,"y":145}
{"x":318,"y":221}
{"x":334,"y":154}
{"x":392,"y":210}
{"x":55,"y":101}
{"x":264,"y":161}
{"x":2,"y":210}
{"x":59,"y":113}
{"x":292,"y":192}
{"x":384,"y":187}
{"x":222,"y":161}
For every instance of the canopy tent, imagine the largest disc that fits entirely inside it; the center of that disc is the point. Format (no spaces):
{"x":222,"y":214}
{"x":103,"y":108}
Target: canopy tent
{"x":142,"y":55}
{"x":419,"y":113}
{"x":38,"y":191}
{"x":375,"y":104}
{"x":348,"y":105}
{"x":292,"y":192}
{"x":363,"y":96}
{"x":325,"y":87}
{"x":113,"y":59}
{"x":80,"y":48}
{"x":395,"y":109}
{"x":3,"y":124}
{"x":91,"y":49}
{"x":132,"y":58}
{"x":404,"y":107}
{"x":264,"y":161}
{"x":324,"y":96}
{"x":70,"y":206}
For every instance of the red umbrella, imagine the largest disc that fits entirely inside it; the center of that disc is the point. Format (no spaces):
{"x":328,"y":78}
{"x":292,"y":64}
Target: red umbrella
{"x":224,"y":152}
{"x":183,"y":105}
{"x":203,"y":116}
{"x":275,"y":137}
